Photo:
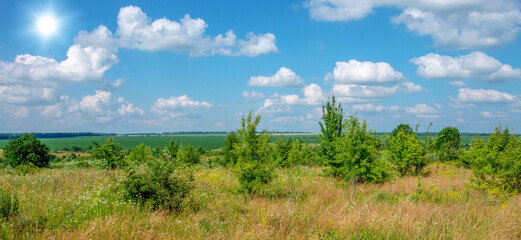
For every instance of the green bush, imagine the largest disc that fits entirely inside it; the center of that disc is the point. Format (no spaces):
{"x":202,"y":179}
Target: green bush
{"x":189,"y":156}
{"x":358,"y":158}
{"x":406,"y":128}
{"x":281,"y":151}
{"x":139,"y":154}
{"x":27,"y":150}
{"x":230,"y":156}
{"x":406,"y":152}
{"x":448,"y":144}
{"x":497,"y":163}
{"x":330,"y":130}
{"x":254,"y":166}
{"x":171,"y":150}
{"x":162,"y":184}
{"x":110,"y":152}
{"x":9,"y":204}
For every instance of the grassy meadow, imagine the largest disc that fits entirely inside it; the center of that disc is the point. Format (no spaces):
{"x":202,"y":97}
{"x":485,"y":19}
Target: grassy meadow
{"x":87,"y":203}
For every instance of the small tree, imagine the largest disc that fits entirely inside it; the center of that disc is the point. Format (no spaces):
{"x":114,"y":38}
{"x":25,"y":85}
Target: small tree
{"x":358,"y":158}
{"x":331,"y":129}
{"x":27,"y":150}
{"x":253,"y":166}
{"x":229,"y":153}
{"x":171,"y":150}
{"x":281,"y":151}
{"x":406,"y":152}
{"x":406,"y":128}
{"x":110,"y":152}
{"x":140,"y":154}
{"x":189,"y":156}
{"x":448,"y":144}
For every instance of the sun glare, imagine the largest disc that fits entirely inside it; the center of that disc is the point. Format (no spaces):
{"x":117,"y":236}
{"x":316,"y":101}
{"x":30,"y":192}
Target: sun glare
{"x":47,"y":25}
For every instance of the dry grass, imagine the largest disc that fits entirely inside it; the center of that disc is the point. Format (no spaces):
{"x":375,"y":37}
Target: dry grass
{"x":300,"y":204}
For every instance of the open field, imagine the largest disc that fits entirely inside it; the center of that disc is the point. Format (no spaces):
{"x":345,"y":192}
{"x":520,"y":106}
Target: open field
{"x":85,"y":203}
{"x":206,"y":141}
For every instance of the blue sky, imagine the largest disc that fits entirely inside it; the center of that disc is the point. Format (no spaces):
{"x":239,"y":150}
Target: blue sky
{"x":162,"y":66}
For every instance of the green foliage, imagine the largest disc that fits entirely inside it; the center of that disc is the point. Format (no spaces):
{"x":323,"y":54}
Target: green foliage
{"x":230,"y":156}
{"x":109,"y":152}
{"x":189,"y":156}
{"x":406,"y":128}
{"x":27,"y":150}
{"x":162,"y":184}
{"x":331,"y":129}
{"x":406,"y":152}
{"x":496,"y":164}
{"x":171,"y":150}
{"x":281,"y":151}
{"x":139,"y":154}
{"x":9,"y":204}
{"x":253,"y":153}
{"x":448,"y":144}
{"x":358,"y":158}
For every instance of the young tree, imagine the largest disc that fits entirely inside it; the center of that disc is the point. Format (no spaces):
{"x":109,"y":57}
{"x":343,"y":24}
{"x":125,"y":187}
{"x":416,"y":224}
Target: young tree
{"x":358,"y":156}
{"x":406,"y":152}
{"x":140,"y":154}
{"x":110,"y":152}
{"x":448,"y":144}
{"x":331,"y":129}
{"x":253,"y":166}
{"x":27,"y":150}
{"x":281,"y":150}
{"x":172,"y":150}
{"x":406,"y":128}
{"x":228,"y":150}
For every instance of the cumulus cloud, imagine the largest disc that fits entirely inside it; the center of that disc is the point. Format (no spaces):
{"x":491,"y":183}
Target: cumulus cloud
{"x":457,"y":24}
{"x":474,"y":65}
{"x":114,"y":85}
{"x":137,"y":30}
{"x":369,"y":107}
{"x":252,"y":95}
{"x":313,"y":96}
{"x":355,"y":72}
{"x":178,"y":106}
{"x":497,"y":114}
{"x":364,"y":91}
{"x":282,"y":78}
{"x":36,"y":80}
{"x":471,"y":96}
{"x":423,"y":111}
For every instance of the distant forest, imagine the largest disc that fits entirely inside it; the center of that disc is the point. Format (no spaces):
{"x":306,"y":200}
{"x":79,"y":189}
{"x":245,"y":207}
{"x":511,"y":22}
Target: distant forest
{"x":53,"y":135}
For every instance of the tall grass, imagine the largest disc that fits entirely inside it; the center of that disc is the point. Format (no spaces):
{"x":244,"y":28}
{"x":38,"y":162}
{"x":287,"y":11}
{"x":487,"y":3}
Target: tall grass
{"x":85,"y":203}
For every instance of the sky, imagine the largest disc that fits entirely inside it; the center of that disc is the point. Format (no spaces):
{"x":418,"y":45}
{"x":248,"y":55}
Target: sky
{"x":201,"y":65}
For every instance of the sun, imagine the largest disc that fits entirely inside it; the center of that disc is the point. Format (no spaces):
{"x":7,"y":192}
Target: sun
{"x":47,"y":25}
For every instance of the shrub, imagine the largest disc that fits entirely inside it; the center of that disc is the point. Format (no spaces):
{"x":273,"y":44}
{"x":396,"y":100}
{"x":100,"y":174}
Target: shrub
{"x":406,"y":152}
{"x":189,"y":156}
{"x":497,"y":163}
{"x":139,"y":154}
{"x":109,"y":152}
{"x":281,"y":151}
{"x":253,"y":168}
{"x":358,"y":158}
{"x":162,"y":184}
{"x":448,"y":144}
{"x":171,"y":150}
{"x":9,"y":204}
{"x":27,"y":150}
{"x":406,"y":128}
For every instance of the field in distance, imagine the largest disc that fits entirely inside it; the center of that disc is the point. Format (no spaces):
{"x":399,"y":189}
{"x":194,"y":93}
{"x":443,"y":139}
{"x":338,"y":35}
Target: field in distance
{"x":206,"y":141}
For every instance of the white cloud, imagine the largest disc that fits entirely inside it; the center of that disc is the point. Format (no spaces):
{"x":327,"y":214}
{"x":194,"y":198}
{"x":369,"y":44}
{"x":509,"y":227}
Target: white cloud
{"x":114,"y":85}
{"x":137,"y":30}
{"x":36,"y":79}
{"x":467,"y":95}
{"x":422,"y":111}
{"x":363,"y":91}
{"x":497,"y":114}
{"x":282,"y":78}
{"x":313,"y":96}
{"x":457,"y":24}
{"x":252,"y":95}
{"x":373,"y":108}
{"x":355,"y":72}
{"x":474,"y":65}
{"x":178,"y":106}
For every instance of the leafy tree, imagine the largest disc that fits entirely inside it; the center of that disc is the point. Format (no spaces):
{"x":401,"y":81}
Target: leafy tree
{"x":497,"y":163}
{"x":172,"y":150}
{"x":230,"y":156}
{"x":281,"y":150}
{"x":110,"y":152}
{"x":406,"y":152}
{"x":27,"y":150}
{"x":358,"y":158}
{"x":140,"y":154}
{"x":406,"y":128}
{"x":448,"y":144}
{"x":253,"y":166}
{"x":189,"y":156}
{"x":331,"y":129}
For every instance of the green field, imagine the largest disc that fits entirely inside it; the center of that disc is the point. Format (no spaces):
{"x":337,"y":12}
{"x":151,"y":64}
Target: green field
{"x":206,"y":141}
